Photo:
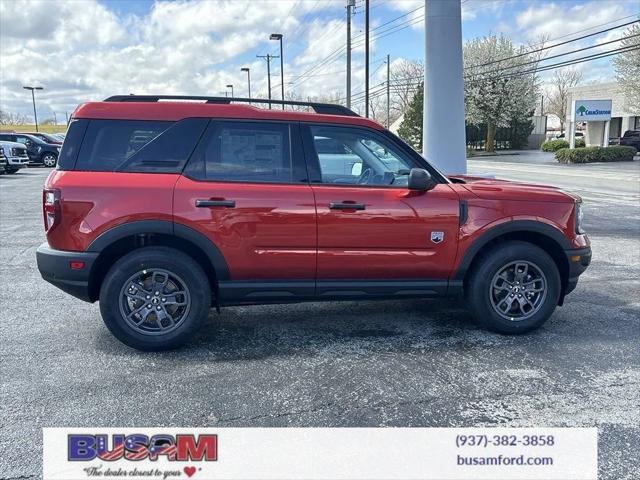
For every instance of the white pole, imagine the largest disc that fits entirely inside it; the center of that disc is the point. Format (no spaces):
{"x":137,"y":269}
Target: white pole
{"x":572,"y":126}
{"x":443,"y":120}
{"x":605,"y":140}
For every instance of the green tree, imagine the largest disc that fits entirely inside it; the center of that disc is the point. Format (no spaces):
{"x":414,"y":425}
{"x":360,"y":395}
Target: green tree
{"x":410,"y":129}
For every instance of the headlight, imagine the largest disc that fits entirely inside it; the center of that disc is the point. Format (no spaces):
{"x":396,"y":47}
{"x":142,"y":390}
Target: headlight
{"x":579,"y":217}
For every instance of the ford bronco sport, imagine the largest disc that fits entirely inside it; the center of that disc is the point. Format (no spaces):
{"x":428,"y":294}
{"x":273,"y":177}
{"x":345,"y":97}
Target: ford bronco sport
{"x":161,"y":208}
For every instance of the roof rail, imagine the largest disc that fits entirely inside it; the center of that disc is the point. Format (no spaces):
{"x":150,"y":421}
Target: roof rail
{"x":322,"y":108}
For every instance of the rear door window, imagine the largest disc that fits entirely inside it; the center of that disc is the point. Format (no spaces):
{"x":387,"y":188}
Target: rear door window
{"x":244,"y":152}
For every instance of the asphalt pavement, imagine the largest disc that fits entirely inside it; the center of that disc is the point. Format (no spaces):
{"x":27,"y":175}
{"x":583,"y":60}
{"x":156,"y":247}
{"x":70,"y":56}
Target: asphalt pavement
{"x":390,"y":363}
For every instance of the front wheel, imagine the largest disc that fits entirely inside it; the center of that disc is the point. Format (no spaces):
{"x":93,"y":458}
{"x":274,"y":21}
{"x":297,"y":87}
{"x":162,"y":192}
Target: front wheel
{"x":514,"y":289}
{"x":155,"y":298}
{"x":49,"y":160}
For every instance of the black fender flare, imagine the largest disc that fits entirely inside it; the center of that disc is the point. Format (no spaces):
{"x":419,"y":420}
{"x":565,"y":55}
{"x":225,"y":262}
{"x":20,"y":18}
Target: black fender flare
{"x":165,"y":227}
{"x":520,"y":226}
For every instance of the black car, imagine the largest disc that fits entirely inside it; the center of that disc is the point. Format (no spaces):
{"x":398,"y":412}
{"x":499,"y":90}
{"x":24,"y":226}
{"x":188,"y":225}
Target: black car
{"x":631,"y":138}
{"x":39,"y":152}
{"x":45,"y":137}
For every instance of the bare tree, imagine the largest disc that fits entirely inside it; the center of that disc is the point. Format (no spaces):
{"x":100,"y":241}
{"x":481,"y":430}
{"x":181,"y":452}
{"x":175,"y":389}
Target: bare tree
{"x":627,"y":65}
{"x":563,"y":80}
{"x":8,"y":118}
{"x":405,"y":75}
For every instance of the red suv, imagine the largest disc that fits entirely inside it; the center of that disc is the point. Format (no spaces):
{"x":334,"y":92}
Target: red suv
{"x":161,"y":208}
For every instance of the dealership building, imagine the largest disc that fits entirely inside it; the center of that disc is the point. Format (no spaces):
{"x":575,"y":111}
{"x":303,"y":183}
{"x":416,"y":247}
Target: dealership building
{"x":604,"y":108}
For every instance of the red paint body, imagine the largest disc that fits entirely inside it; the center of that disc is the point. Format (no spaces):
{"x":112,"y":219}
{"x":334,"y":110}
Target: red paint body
{"x":286,"y":231}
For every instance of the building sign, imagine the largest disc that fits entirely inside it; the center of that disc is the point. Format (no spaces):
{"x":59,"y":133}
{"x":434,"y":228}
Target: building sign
{"x":592,"y":110}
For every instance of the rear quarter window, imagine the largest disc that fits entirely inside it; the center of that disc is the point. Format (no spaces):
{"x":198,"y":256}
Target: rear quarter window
{"x":138,"y":145}
{"x":71,"y":144}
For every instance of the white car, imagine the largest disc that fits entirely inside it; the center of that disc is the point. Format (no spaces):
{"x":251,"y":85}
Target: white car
{"x":16,"y":154}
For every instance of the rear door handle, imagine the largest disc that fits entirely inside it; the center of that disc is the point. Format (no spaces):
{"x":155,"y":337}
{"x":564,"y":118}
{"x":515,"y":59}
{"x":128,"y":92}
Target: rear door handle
{"x":346,"y":206}
{"x":200,"y":203}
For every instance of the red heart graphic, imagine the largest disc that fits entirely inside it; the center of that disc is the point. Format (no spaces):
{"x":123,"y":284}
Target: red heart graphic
{"x":189,"y":471}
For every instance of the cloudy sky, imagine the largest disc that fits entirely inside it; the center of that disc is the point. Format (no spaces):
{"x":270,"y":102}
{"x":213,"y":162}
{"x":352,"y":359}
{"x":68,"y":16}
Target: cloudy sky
{"x":81,"y":50}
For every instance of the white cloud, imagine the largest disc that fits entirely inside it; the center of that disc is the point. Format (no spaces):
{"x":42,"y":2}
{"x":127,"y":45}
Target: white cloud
{"x":80,"y":50}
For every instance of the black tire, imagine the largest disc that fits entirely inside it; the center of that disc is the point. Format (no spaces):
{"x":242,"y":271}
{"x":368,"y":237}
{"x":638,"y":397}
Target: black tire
{"x":176,"y":263}
{"x":12,"y":171}
{"x":49,"y":159}
{"x":481,"y":295}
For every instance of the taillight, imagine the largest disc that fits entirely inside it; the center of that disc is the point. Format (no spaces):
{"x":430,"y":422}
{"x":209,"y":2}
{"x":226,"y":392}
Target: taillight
{"x":50,"y":207}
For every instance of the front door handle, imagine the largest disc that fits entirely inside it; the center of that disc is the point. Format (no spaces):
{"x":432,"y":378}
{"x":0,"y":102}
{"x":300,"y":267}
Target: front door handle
{"x":200,"y":203}
{"x":346,"y":206}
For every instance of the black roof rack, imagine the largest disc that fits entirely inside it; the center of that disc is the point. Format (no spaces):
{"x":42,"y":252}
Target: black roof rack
{"x":322,"y":108}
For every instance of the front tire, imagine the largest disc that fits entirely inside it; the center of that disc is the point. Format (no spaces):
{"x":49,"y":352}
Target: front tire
{"x":155,"y":298}
{"x":49,"y":160}
{"x":514,"y":289}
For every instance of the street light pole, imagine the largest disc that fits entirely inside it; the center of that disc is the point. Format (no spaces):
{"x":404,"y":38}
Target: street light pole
{"x":388,"y":88}
{"x":278,"y":36}
{"x":231,"y":87}
{"x":246,"y":69}
{"x":33,"y":99}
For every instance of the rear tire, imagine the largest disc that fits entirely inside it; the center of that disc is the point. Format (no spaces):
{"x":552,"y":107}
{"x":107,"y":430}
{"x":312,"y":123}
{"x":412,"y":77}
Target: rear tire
{"x":514,"y":289}
{"x":155,"y":298}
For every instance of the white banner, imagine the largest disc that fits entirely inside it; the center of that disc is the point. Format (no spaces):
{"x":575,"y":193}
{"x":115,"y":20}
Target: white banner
{"x":320,"y":453}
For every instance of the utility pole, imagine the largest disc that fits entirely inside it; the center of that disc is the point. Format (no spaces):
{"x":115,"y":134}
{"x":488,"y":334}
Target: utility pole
{"x":350,"y":5}
{"x":268,"y":57}
{"x":66,"y":114}
{"x":246,"y":69}
{"x":366,"y":58}
{"x":33,"y":98}
{"x":542,"y":105}
{"x":55,"y":118}
{"x":388,"y":89}
{"x":278,"y":36}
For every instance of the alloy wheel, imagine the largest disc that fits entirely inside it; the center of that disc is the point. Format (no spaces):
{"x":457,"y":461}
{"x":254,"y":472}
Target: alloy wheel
{"x":518,"y":290}
{"x":49,"y":160}
{"x":154,"y":301}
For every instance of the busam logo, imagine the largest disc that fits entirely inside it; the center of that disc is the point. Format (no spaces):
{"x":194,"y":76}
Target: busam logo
{"x":582,"y":110}
{"x":136,"y":447}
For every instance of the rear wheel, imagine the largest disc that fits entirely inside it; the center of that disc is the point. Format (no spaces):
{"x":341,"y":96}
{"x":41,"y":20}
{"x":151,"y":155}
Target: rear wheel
{"x":514,"y":289}
{"x":155,"y":298}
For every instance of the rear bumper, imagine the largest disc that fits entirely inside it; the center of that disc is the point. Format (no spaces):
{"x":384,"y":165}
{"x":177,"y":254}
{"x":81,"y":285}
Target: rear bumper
{"x":579,"y":260}
{"x":55,"y":268}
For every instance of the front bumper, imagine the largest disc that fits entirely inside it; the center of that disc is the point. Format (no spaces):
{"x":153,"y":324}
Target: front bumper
{"x":56,"y":268}
{"x":17,"y":162}
{"x":579,"y":260}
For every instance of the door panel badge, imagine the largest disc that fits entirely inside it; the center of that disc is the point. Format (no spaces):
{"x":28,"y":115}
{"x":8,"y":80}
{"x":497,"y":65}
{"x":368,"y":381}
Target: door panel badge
{"x":437,"y":237}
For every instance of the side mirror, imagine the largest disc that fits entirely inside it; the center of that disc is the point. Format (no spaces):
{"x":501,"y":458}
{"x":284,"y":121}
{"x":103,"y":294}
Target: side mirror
{"x":420,"y":179}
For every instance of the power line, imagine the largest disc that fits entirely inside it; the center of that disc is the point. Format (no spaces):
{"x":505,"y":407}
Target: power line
{"x":509,"y":67}
{"x":552,"y":46}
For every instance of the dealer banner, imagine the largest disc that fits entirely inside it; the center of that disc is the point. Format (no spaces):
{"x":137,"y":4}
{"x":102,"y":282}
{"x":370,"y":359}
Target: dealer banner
{"x":320,"y":453}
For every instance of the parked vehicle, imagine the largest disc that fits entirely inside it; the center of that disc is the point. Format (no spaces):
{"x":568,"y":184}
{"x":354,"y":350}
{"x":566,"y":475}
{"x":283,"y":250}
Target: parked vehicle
{"x":577,"y":135}
{"x":631,"y":138}
{"x":3,"y":161}
{"x":39,"y":152}
{"x":45,"y":137}
{"x":162,"y":209}
{"x":16,"y":156}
